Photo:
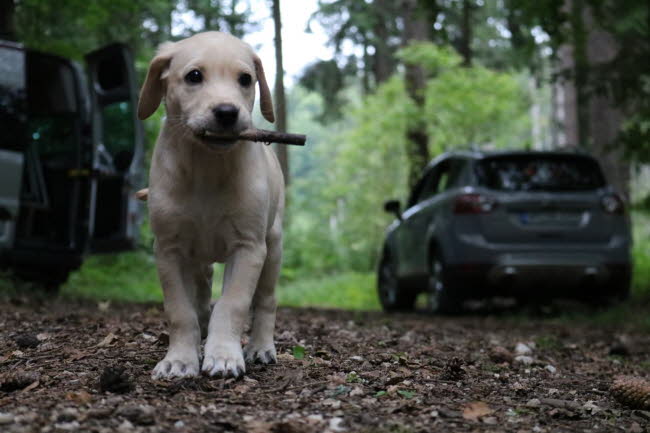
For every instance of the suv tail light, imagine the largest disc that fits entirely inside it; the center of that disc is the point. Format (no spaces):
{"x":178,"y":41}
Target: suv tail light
{"x":612,"y":203}
{"x":473,"y":204}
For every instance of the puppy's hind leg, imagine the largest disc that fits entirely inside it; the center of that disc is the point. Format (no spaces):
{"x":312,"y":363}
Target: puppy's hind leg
{"x":261,"y":347}
{"x":179,"y":289}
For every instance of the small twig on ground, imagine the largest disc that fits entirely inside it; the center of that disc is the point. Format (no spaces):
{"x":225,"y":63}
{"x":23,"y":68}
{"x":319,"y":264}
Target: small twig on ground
{"x":562,"y":404}
{"x":287,"y":388}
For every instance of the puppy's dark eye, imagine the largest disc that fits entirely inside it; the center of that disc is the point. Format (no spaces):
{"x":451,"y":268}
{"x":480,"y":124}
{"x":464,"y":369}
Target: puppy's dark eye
{"x":194,"y":77}
{"x":245,"y":79}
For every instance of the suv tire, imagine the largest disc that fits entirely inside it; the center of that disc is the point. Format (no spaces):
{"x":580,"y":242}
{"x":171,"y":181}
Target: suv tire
{"x":392,"y":293}
{"x":443,"y":295}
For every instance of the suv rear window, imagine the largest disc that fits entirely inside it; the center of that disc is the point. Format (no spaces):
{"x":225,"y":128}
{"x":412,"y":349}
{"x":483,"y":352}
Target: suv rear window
{"x":540,"y":173}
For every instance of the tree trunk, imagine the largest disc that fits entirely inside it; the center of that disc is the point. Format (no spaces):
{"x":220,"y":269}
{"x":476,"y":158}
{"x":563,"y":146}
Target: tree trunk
{"x":7,"y":29}
{"x":604,"y":117}
{"x":416,"y":28}
{"x":365,"y":73}
{"x":383,"y":64}
{"x":466,"y":38}
{"x":279,"y":94}
{"x":591,"y":120}
{"x":580,"y":70}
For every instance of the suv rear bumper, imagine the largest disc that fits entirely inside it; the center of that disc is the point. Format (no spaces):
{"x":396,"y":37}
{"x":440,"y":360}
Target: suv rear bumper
{"x":520,"y":270}
{"x":539,"y":279}
{"x":553,"y":269}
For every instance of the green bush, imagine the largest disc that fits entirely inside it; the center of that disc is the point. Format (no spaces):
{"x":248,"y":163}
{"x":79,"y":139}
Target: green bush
{"x":348,"y":290}
{"x":641,"y":253}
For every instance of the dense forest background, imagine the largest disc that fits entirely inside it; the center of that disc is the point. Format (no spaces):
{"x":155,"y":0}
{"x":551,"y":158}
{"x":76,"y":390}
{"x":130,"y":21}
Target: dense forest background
{"x":409,"y":79}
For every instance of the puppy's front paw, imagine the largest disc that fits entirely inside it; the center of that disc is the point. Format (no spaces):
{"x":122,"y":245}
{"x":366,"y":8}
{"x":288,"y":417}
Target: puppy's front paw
{"x":260,"y":353}
{"x":224,"y":361}
{"x":173,"y":366}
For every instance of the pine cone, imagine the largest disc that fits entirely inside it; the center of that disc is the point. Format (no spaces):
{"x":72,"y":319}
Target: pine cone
{"x":632,"y":391}
{"x":115,"y":379}
{"x":17,"y":380}
{"x":453,"y":369}
{"x":500,"y":354}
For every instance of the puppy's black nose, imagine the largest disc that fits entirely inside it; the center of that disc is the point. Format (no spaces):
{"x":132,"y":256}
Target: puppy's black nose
{"x":226,"y":114}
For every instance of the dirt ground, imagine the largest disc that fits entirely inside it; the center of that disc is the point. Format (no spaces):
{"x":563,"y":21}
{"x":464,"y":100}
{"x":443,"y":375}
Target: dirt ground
{"x":86,"y":367}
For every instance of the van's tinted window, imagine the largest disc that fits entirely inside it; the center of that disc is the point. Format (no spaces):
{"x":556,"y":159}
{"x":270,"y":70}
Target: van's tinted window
{"x":540,"y":173}
{"x":13,"y":99}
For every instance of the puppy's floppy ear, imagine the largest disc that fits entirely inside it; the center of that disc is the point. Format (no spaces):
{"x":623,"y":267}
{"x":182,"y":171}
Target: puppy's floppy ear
{"x":153,"y":88}
{"x":266,"y":103}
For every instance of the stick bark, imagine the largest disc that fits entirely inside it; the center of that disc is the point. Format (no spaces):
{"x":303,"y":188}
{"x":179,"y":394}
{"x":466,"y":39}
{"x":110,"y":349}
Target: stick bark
{"x":261,"y":135}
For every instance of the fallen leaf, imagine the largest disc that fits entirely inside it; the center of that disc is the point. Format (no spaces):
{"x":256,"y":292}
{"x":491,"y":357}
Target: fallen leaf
{"x":80,"y":397}
{"x":636,"y":428}
{"x":298,"y":352}
{"x":475,"y":410}
{"x":76,"y":354}
{"x":108,"y":340}
{"x":259,"y":427}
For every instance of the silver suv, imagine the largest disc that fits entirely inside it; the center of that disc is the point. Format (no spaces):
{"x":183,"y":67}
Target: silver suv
{"x":517,"y":224}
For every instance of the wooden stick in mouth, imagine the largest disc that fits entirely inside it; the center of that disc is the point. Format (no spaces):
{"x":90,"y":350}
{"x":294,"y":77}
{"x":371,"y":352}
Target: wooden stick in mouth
{"x":261,"y":135}
{"x":267,"y":136}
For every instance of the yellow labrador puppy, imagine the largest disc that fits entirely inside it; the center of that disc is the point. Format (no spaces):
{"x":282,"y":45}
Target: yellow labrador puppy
{"x":213,"y":200}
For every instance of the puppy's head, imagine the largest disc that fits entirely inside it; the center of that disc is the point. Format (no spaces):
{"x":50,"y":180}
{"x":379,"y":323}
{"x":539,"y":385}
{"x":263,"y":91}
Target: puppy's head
{"x":208,"y":84}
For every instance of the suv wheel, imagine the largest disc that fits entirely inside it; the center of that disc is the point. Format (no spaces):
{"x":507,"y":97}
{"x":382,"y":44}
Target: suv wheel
{"x":440,"y":296}
{"x":392,"y":295}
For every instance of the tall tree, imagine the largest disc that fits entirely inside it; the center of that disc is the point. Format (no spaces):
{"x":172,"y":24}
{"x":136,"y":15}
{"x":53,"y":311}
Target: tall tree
{"x":7,"y":19}
{"x":466,"y":30}
{"x":221,"y":15}
{"x":416,"y":28}
{"x":279,"y":93}
{"x":371,"y":25}
{"x":383,"y":60}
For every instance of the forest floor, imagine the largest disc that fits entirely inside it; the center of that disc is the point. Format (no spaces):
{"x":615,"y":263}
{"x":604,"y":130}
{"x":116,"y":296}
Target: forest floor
{"x":74,"y":366}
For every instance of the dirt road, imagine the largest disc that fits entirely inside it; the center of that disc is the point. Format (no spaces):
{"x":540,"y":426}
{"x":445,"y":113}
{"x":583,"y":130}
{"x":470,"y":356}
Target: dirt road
{"x":366,"y":372}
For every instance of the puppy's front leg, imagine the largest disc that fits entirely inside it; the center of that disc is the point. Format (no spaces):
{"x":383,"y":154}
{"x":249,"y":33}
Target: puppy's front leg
{"x":223,"y":352}
{"x":179,"y":289}
{"x":261,"y":347}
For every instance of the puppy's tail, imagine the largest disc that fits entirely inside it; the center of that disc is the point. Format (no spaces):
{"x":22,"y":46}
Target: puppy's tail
{"x":143,"y":194}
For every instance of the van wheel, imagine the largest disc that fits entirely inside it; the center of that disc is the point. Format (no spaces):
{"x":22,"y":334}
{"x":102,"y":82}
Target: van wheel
{"x":392,"y":294}
{"x":47,"y":279}
{"x":440,"y":295}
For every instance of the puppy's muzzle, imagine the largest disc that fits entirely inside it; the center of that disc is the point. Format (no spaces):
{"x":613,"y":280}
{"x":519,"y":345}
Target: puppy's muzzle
{"x":226,"y":115}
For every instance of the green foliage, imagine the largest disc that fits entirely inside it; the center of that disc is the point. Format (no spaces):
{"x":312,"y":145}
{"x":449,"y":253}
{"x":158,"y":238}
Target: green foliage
{"x":469,"y":106}
{"x":298,"y":352}
{"x":326,"y":78}
{"x":635,"y":135}
{"x":348,"y":290}
{"x":337,"y":191}
{"x":353,"y":377}
{"x":221,"y":15}
{"x":433,"y":58}
{"x":641,"y":254}
{"x":406,"y":394}
{"x":341,"y":181}
{"x":74,"y":27}
{"x":122,"y":277}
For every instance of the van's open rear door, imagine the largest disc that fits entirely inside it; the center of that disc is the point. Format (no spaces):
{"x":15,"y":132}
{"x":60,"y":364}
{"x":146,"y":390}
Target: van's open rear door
{"x":117,"y":149}
{"x":13,"y":134}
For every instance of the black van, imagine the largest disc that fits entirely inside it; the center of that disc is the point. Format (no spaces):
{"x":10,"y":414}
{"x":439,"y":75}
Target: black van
{"x":71,"y":151}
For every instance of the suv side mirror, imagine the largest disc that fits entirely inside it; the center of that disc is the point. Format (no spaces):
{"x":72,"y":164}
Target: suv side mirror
{"x":394,"y":207}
